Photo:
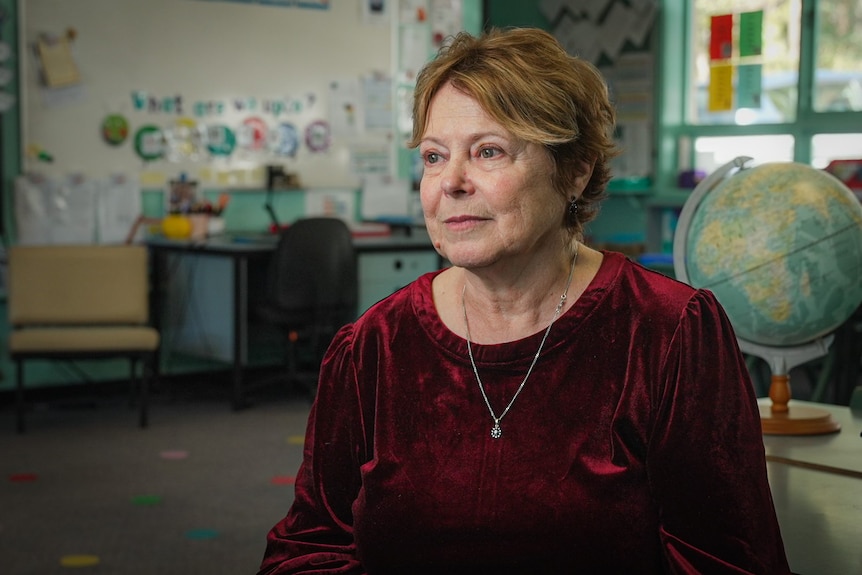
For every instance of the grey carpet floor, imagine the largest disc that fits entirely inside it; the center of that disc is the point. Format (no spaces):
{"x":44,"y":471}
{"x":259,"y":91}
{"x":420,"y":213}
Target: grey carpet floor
{"x":195,"y":493}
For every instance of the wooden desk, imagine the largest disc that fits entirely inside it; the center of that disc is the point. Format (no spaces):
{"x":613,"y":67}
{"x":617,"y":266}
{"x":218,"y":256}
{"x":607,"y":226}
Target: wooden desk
{"x":816,"y":483}
{"x":821,"y":519}
{"x":226,"y":271}
{"x":839,"y":452}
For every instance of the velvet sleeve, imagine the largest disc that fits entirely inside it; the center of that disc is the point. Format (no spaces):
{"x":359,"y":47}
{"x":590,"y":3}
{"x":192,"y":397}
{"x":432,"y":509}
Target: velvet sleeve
{"x":706,"y":462}
{"x":316,"y":536}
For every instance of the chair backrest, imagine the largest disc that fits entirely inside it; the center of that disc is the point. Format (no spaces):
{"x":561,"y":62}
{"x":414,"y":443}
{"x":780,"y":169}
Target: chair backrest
{"x":78,"y":285}
{"x":314,"y":269}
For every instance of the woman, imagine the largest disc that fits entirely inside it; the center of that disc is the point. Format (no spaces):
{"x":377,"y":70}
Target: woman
{"x":540,"y":406}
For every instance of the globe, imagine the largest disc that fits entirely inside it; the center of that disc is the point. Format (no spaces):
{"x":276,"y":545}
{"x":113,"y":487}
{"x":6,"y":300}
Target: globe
{"x":780,"y":246}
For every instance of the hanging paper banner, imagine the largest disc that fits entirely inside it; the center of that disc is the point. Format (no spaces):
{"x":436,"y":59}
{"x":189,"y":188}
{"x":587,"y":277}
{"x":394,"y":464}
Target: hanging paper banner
{"x":751,"y":33}
{"x":720,"y":88}
{"x":721,"y":37}
{"x":749,"y":86}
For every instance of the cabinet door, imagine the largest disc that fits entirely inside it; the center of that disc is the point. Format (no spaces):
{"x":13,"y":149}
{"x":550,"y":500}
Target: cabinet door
{"x":383,"y":273}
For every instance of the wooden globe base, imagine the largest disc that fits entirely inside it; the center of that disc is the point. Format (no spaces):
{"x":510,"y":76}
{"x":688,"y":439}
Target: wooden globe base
{"x":781,"y":419}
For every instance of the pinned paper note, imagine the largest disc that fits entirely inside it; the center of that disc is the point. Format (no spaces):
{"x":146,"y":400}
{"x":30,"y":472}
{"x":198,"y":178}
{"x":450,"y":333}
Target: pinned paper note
{"x":58,"y":64}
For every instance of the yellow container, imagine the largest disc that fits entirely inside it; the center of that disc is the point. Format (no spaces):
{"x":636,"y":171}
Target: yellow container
{"x":176,"y":227}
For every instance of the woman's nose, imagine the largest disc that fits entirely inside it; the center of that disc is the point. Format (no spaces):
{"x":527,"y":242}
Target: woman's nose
{"x":455,"y":178}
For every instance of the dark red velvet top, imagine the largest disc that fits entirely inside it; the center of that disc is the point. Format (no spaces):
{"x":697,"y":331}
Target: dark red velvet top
{"x":635,"y":446}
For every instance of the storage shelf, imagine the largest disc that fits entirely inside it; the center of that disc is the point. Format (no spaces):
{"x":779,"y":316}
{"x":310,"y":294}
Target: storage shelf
{"x":669,"y":199}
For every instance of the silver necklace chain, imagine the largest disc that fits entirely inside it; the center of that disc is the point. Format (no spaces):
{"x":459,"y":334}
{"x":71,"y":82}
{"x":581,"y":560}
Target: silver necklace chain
{"x":496,"y":430}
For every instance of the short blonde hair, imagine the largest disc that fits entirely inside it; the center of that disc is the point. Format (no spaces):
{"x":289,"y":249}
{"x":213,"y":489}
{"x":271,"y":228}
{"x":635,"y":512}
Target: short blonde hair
{"x":525,"y":80}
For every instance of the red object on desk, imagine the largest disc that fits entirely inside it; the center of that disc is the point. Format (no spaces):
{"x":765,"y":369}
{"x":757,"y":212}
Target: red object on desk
{"x":357,"y":230}
{"x":848,"y":171}
{"x":273,"y":229}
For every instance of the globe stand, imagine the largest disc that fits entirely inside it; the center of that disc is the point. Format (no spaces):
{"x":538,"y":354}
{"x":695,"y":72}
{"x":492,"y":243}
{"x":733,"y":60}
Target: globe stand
{"x":780,"y":418}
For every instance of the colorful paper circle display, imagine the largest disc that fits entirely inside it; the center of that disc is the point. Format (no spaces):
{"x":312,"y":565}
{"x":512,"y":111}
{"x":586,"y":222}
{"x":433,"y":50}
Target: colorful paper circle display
{"x":252,"y":134}
{"x":149,"y":142}
{"x":317,"y":136}
{"x":220,"y":140}
{"x":183,"y":140}
{"x":115,"y":129}
{"x":284,"y":140}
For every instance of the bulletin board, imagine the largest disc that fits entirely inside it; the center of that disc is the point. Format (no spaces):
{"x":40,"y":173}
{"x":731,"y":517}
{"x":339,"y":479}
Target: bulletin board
{"x":221,"y":81}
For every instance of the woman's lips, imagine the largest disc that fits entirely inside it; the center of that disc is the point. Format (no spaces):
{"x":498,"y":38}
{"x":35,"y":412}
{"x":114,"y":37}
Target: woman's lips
{"x":462,"y":223}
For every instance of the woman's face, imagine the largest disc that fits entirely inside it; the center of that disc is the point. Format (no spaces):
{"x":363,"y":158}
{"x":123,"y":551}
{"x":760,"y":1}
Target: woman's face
{"x":486,"y":195}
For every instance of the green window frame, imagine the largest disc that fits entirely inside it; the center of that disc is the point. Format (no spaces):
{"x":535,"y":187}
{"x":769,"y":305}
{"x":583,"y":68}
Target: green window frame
{"x":675,"y":135}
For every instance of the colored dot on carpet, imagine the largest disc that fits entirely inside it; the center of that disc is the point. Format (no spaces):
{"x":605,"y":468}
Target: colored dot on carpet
{"x":23,"y":477}
{"x":283,"y":480}
{"x":296,"y":439}
{"x":79,"y":560}
{"x":174,"y":454}
{"x":202,"y":534}
{"x":145,"y":500}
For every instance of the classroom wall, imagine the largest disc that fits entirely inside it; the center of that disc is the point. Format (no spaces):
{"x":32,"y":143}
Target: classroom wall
{"x":202,"y":52}
{"x":171,"y":63}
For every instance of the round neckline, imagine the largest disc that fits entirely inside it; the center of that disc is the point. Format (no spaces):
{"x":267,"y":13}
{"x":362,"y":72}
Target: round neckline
{"x":521,"y":350}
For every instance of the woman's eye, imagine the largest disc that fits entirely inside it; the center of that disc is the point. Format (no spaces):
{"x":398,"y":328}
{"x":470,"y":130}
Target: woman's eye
{"x":488,"y":152}
{"x":431,"y":157}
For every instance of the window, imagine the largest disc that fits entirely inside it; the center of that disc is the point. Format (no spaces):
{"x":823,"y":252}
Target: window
{"x":744,"y":61}
{"x":776,"y":80}
{"x":828,"y":147}
{"x":838,"y":83}
{"x":713,"y":152}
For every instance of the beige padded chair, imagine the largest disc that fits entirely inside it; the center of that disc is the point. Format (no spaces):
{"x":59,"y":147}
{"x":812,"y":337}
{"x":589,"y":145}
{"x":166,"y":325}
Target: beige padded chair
{"x":81,"y":302}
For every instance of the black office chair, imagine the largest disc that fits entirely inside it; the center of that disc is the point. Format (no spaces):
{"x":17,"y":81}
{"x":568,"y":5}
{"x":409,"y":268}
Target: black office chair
{"x":311,"y":291}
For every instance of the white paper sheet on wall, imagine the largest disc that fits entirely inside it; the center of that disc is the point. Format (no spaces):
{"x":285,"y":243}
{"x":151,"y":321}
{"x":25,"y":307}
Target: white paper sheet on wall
{"x":333,"y":203}
{"x":32,"y":223}
{"x":384,"y":197}
{"x":117,"y":208}
{"x":75,"y":209}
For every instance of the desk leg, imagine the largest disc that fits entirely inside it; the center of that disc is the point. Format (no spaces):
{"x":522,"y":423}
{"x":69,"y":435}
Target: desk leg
{"x":240,"y":327}
{"x":156,"y":287}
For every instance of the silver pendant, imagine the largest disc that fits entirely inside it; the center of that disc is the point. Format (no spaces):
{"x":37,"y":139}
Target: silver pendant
{"x":496,"y":432}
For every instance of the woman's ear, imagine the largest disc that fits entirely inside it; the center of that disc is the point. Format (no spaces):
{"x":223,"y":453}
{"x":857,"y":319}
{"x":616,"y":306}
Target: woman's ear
{"x":586,"y":172}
